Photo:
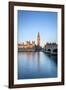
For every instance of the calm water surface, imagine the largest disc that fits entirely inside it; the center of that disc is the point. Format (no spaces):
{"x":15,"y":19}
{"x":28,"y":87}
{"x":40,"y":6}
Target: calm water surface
{"x":36,"y":65}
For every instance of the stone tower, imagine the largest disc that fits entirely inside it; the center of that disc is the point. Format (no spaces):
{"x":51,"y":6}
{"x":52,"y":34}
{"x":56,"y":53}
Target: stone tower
{"x":38,"y":39}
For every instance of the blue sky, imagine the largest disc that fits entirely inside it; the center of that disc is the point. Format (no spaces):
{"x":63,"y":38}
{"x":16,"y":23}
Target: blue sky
{"x":32,"y":22}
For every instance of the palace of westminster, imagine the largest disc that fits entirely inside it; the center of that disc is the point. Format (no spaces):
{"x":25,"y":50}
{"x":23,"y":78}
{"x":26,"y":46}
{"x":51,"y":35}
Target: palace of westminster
{"x":29,"y":44}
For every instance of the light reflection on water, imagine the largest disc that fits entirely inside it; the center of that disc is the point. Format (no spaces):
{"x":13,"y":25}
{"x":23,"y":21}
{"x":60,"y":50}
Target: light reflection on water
{"x":36,"y":65}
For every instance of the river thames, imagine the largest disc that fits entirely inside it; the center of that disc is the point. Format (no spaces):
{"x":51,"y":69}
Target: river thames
{"x":36,"y":65}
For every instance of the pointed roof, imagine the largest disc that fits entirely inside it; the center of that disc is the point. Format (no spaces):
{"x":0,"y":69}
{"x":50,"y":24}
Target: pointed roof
{"x":38,"y":34}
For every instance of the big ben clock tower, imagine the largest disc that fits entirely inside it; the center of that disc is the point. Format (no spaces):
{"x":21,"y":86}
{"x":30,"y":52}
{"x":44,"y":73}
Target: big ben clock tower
{"x":38,"y":39}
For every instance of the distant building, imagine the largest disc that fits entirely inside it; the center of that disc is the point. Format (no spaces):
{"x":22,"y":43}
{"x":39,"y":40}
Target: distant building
{"x":27,"y":45}
{"x":38,"y":39}
{"x":50,"y":45}
{"x":50,"y":48}
{"x":30,"y":44}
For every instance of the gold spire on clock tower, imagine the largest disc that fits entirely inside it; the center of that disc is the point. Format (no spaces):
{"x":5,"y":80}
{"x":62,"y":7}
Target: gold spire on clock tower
{"x":38,"y":39}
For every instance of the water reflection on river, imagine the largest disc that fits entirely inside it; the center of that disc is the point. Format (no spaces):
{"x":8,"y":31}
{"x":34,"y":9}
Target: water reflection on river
{"x":36,"y":65}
